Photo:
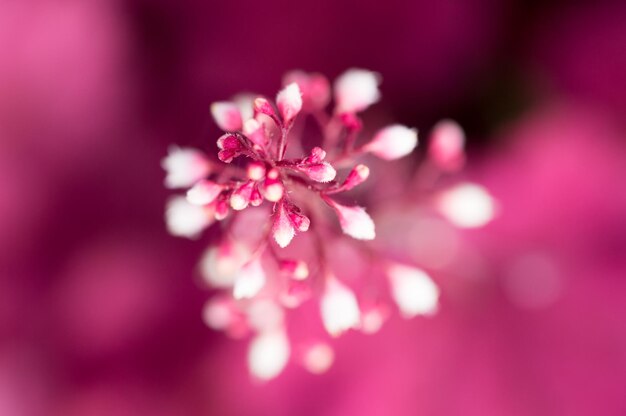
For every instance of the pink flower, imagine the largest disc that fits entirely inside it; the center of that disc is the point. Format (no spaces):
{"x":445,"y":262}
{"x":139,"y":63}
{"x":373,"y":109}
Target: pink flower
{"x":259,"y":282}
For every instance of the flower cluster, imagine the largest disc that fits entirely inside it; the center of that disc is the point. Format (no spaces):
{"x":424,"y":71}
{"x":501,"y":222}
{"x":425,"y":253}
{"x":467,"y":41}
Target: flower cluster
{"x":254,"y":256}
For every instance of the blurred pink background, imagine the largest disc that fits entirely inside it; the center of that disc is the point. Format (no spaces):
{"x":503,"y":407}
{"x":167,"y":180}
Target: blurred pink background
{"x":100,"y":310}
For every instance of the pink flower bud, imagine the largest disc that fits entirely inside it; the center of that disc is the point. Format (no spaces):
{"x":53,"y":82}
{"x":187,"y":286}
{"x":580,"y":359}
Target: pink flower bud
{"x":393,"y":142}
{"x":317,"y":155}
{"x":240,"y":198}
{"x":273,"y":188}
{"x":186,"y":220}
{"x":413,"y":290}
{"x":357,"y":176}
{"x":289,"y":101}
{"x":354,"y":221}
{"x":229,"y":146}
{"x":294,"y":269}
{"x":255,"y":131}
{"x":283,"y":229}
{"x":204,"y":192}
{"x":339,"y":307}
{"x":355,"y":90}
{"x":300,"y":221}
{"x":226,"y":115}
{"x":315,"y":88}
{"x":256,"y":198}
{"x":351,"y":122}
{"x":249,"y":281}
{"x":221,"y":209}
{"x":268,"y":354}
{"x":446,"y":145}
{"x":184,"y":167}
{"x":263,"y":106}
{"x":319,"y":172}
{"x":256,"y":170}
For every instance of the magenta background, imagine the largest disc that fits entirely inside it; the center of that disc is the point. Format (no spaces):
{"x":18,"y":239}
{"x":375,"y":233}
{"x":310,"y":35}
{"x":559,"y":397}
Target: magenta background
{"x":99,"y":309}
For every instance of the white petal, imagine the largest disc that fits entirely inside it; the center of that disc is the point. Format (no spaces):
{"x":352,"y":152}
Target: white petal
{"x":184,"y":219}
{"x":184,"y":167}
{"x":226,"y":115}
{"x":467,"y":205}
{"x":268,"y":354}
{"x":355,"y":90}
{"x":413,"y":291}
{"x":393,"y":142}
{"x":249,"y":280}
{"x":339,"y":308}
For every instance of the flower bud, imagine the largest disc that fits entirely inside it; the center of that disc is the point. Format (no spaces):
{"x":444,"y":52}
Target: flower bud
{"x":255,"y":170}
{"x":256,"y":198}
{"x":339,"y":307}
{"x":393,"y":142}
{"x":355,"y":90}
{"x":240,"y":198}
{"x":413,"y":290}
{"x":319,"y":172}
{"x":184,"y":167}
{"x":226,"y":115}
{"x":283,"y":229}
{"x":204,"y":192}
{"x":294,"y":269}
{"x":354,"y":221}
{"x":289,"y":102}
{"x":221,"y":209}
{"x":315,"y":89}
{"x":268,"y":354}
{"x":249,"y":281}
{"x":357,"y":176}
{"x":229,"y":146}
{"x":263,"y":106}
{"x":446,"y":145}
{"x":273,"y":188}
{"x":186,"y":220}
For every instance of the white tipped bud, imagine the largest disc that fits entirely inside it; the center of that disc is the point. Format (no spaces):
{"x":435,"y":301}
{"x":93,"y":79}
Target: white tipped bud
{"x":289,"y":102}
{"x":184,"y":167}
{"x":339,"y":308}
{"x":319,"y":172}
{"x":393,"y":142}
{"x":283,"y":228}
{"x":355,"y":90}
{"x":226,"y":115}
{"x":413,"y":291}
{"x":268,"y":354}
{"x":467,"y":205}
{"x":186,"y":220}
{"x":446,"y":145}
{"x":354,"y":221}
{"x":256,"y":171}
{"x":240,"y":197}
{"x":249,"y":281}
{"x":204,"y":192}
